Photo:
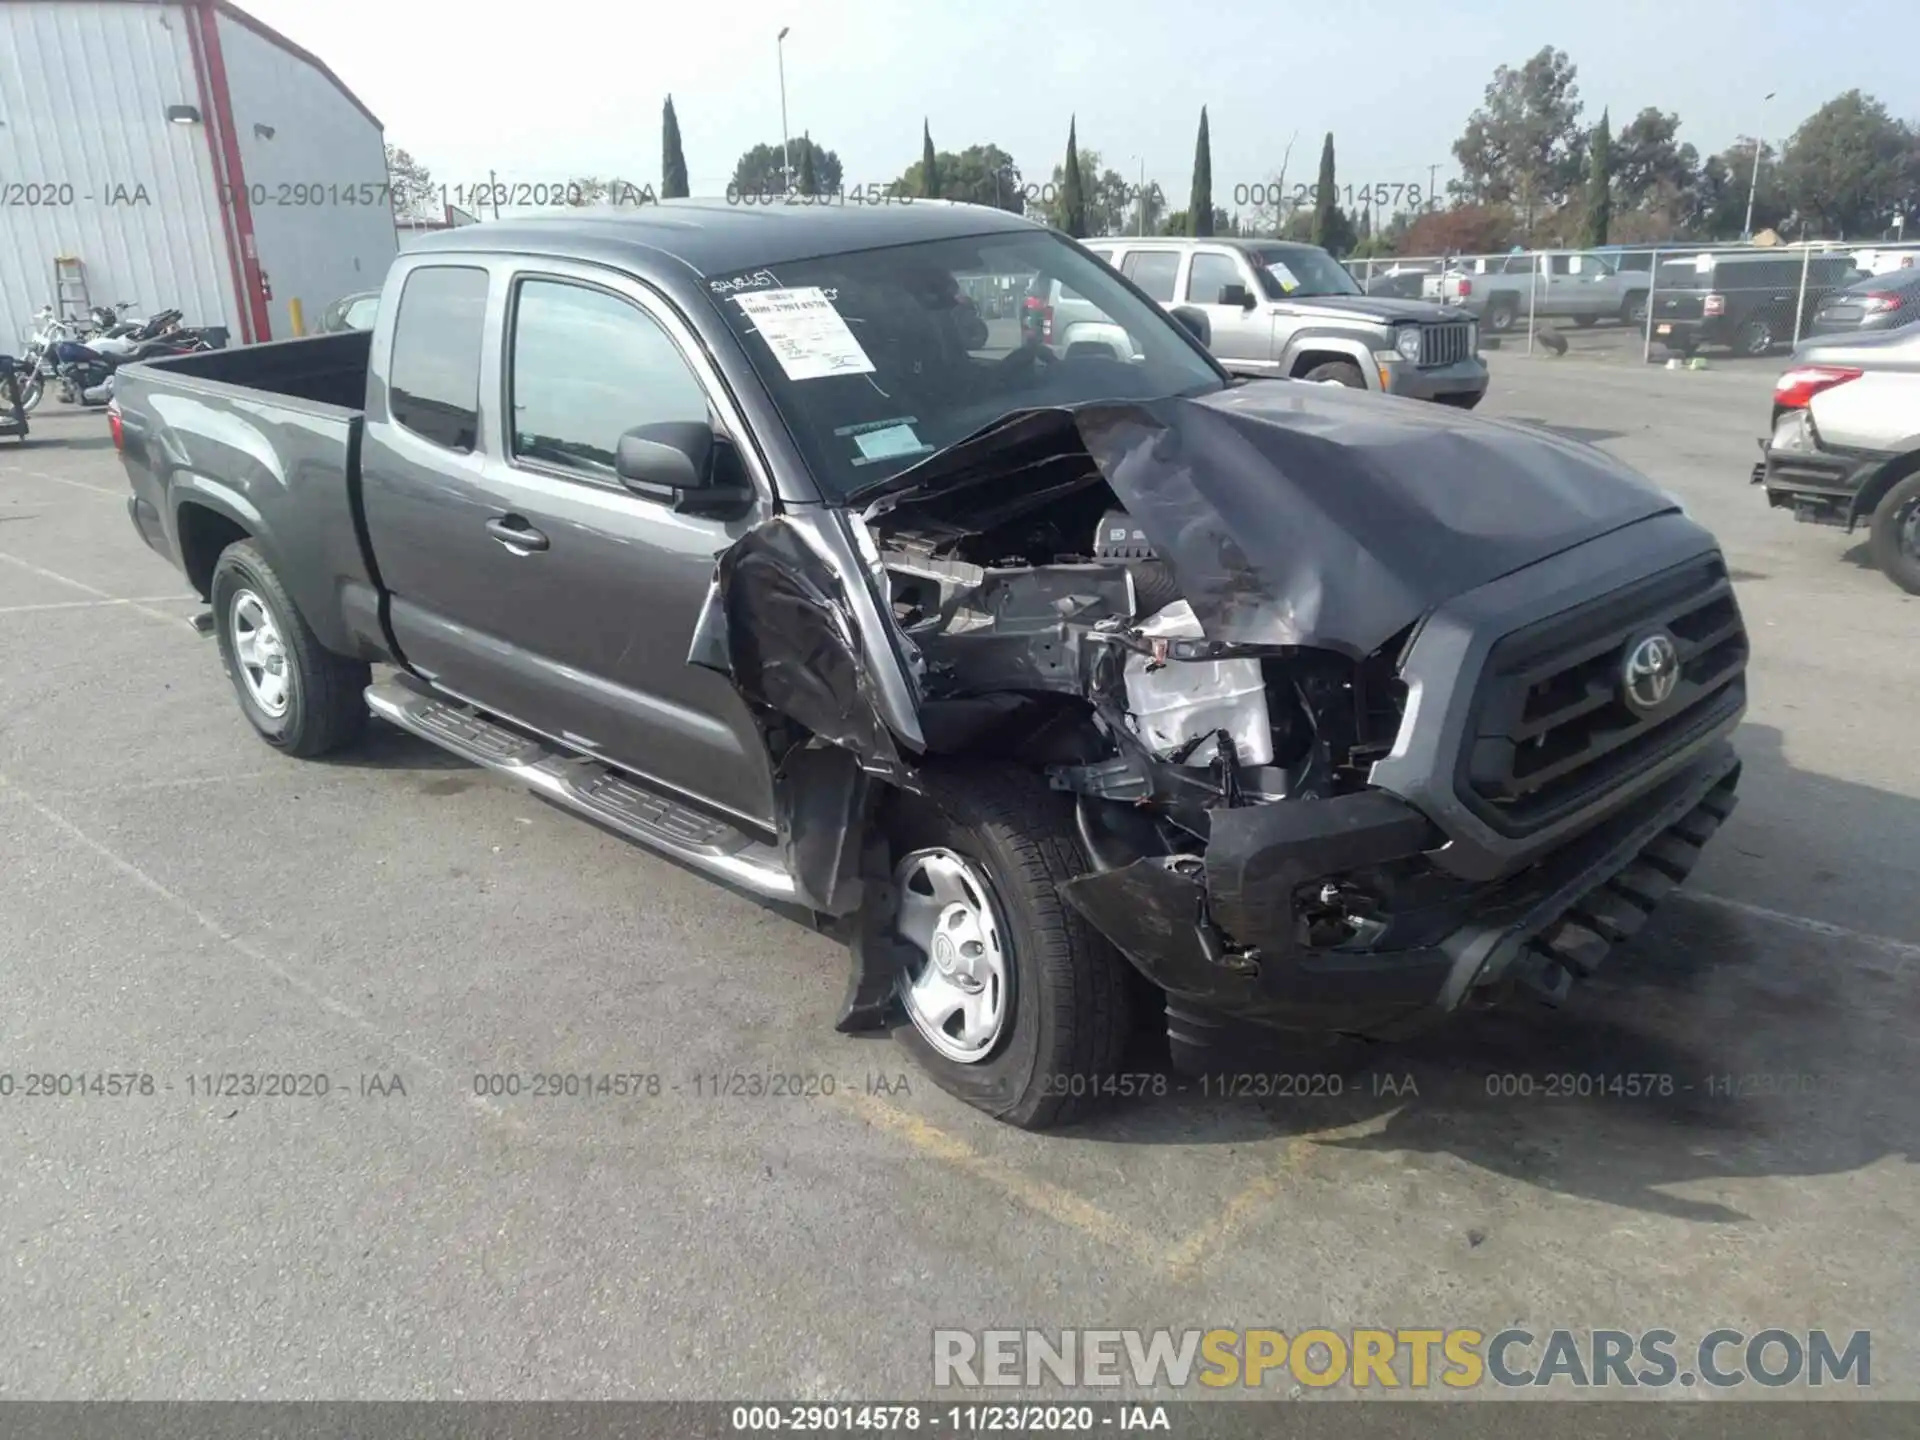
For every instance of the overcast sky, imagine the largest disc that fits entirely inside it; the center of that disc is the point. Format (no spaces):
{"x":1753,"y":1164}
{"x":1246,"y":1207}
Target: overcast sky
{"x":550,"y":91}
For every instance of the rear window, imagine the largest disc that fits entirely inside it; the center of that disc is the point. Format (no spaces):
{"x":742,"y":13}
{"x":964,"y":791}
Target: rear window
{"x":433,"y":382}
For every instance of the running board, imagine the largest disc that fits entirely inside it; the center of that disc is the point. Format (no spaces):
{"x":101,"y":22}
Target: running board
{"x":588,"y":788}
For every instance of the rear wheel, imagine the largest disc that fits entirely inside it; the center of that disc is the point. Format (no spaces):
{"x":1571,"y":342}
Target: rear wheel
{"x":1585,"y":322}
{"x":1895,"y":539}
{"x":1633,"y":311}
{"x":301,"y":697}
{"x":1501,"y":314}
{"x":1340,"y":372}
{"x":1754,"y":338}
{"x":1015,"y":1004}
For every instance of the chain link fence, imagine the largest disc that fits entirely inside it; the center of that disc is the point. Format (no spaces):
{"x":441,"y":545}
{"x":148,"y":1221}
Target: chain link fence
{"x":1654,"y":303}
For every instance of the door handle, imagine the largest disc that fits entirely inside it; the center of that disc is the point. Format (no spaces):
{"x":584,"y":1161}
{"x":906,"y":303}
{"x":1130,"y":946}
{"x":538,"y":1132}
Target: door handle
{"x":513,"y":531}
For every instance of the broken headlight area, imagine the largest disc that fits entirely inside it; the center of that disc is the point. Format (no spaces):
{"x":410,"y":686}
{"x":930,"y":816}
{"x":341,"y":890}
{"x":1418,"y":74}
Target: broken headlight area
{"x":1057,"y":636}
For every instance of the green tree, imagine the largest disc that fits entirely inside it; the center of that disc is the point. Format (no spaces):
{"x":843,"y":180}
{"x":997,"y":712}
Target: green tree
{"x":978,"y":175}
{"x":1073,"y":205}
{"x":1324,"y":207}
{"x":1599,"y":206}
{"x":1849,"y":166}
{"x":673,"y":160}
{"x":1720,"y":198}
{"x":410,"y":187}
{"x":809,"y":177}
{"x":1524,"y":145}
{"x":760,"y":170}
{"x":929,"y":164}
{"x":1650,"y":165}
{"x":1200,"y":203}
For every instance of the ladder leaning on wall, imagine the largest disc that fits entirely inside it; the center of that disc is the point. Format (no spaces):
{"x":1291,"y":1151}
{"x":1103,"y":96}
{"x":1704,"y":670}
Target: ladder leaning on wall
{"x":70,"y":298}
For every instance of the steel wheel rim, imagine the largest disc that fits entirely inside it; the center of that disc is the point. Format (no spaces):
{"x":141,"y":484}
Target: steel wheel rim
{"x":956,"y":989}
{"x":260,"y":653}
{"x":1906,"y":530}
{"x":1760,"y":339}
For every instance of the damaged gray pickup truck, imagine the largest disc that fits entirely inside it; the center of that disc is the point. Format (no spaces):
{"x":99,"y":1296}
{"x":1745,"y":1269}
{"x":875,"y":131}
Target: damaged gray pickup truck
{"x":1058,"y":685}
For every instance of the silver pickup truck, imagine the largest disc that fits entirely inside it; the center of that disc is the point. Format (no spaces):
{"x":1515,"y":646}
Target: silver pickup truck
{"x":1565,"y":285}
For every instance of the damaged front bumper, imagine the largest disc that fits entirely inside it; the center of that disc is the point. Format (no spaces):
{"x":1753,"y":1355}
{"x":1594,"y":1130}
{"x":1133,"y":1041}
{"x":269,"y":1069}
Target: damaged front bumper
{"x":1221,"y":933}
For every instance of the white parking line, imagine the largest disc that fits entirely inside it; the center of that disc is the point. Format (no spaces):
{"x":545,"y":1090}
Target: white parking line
{"x":259,"y":957}
{"x":95,"y":604}
{"x":1899,"y":949}
{"x":92,"y":590}
{"x":111,"y":494}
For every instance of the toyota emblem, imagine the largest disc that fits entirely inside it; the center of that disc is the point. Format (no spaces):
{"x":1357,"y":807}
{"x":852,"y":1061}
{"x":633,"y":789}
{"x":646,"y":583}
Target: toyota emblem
{"x":1651,"y":671}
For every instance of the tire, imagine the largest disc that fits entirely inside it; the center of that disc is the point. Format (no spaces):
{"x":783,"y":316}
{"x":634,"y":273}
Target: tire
{"x":321,"y":704}
{"x":1633,"y":310}
{"x":1345,"y":372}
{"x":1755,"y":337}
{"x":1585,"y":322}
{"x":31,"y":392}
{"x":1894,"y":540}
{"x":1501,"y":314}
{"x":1064,"y":1004}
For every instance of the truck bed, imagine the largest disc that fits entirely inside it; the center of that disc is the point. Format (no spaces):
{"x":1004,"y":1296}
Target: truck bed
{"x":263,"y":441}
{"x":326,"y":369}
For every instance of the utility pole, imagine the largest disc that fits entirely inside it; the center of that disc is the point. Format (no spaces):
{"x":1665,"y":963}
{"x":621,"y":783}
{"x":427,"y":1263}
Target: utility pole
{"x":786,"y":147}
{"x":493,"y":193}
{"x":1753,"y":181}
{"x":1433,"y":179}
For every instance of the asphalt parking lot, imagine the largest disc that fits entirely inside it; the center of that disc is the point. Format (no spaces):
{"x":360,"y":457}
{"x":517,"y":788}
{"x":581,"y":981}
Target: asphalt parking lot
{"x":181,"y":902}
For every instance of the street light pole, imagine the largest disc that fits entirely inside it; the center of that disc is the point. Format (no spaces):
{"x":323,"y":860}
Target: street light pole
{"x":1753,"y":182}
{"x":786,"y":149}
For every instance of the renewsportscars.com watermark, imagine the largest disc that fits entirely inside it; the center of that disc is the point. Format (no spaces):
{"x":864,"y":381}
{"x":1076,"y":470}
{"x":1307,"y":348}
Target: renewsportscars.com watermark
{"x":1399,"y":1359}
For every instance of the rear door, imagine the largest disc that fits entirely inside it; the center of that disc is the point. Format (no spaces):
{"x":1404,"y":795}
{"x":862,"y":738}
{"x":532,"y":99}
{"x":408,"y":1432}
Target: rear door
{"x":1241,"y":337}
{"x":525,"y":578}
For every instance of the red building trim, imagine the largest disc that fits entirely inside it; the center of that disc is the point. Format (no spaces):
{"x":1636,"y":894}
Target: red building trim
{"x":224,"y":186}
{"x":206,"y":15}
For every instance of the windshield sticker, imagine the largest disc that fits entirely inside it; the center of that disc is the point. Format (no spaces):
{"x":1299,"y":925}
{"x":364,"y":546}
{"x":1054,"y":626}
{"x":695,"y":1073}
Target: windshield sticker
{"x":1289,"y":282}
{"x":889,"y":442}
{"x":805,"y":333}
{"x":758,"y":280}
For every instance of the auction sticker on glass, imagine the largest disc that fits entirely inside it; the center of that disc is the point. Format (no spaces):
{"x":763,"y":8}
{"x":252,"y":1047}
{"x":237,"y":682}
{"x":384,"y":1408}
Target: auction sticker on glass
{"x":805,"y":333}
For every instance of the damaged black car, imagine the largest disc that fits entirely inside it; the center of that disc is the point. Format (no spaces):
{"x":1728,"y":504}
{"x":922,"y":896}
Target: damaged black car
{"x":1058,"y":672}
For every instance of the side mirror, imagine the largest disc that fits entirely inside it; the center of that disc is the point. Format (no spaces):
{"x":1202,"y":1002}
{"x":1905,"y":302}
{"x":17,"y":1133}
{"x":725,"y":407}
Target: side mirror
{"x":1236,"y":295}
{"x":681,"y":464}
{"x":1196,"y":321}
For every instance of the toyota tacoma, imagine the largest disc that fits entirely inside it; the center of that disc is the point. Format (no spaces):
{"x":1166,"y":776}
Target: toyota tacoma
{"x":1058,"y":684}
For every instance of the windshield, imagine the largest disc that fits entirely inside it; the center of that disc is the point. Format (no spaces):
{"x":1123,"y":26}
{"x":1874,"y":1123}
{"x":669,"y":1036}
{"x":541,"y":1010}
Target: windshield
{"x":1300,"y":272}
{"x":876,"y":359}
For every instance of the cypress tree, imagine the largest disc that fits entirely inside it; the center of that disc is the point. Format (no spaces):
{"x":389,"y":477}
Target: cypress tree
{"x":929,"y":165}
{"x":1200,"y":205}
{"x":673,"y":160}
{"x":1599,"y":185}
{"x":1323,"y":206}
{"x":1073,"y":204}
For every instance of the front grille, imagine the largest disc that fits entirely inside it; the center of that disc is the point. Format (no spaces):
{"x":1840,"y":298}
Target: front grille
{"x":1447,"y":344}
{"x":1552,"y":728}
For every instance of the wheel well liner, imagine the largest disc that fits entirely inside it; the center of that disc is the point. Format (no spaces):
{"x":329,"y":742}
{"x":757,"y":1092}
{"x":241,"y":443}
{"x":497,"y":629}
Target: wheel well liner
{"x":204,"y":532}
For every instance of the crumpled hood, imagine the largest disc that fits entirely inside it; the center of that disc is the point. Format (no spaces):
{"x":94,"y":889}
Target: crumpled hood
{"x":1316,"y":515}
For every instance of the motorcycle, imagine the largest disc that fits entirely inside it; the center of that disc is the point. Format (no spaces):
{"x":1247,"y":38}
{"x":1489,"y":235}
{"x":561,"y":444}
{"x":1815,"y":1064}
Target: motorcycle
{"x":85,"y":371}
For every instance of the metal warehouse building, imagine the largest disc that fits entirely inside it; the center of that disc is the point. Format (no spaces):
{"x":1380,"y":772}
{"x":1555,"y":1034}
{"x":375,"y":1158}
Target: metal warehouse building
{"x":184,"y":155}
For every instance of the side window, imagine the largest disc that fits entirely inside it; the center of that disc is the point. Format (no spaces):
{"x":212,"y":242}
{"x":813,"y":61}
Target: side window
{"x":1154,"y":271}
{"x":1209,"y":271}
{"x":586,"y":367}
{"x":433,"y":382}
{"x":1560,"y":264}
{"x":1103,"y":255}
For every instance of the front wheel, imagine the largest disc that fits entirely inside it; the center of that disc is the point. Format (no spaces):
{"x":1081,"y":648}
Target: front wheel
{"x":1015,"y":1003}
{"x":31,"y":389}
{"x":1895,"y":539}
{"x":301,"y":697}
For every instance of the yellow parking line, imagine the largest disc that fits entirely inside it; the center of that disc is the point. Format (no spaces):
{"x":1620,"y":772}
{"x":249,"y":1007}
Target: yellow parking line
{"x":1038,"y":1196}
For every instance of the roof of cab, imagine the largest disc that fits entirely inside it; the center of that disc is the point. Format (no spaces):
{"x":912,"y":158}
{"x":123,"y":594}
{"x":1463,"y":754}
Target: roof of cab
{"x":718,"y":237}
